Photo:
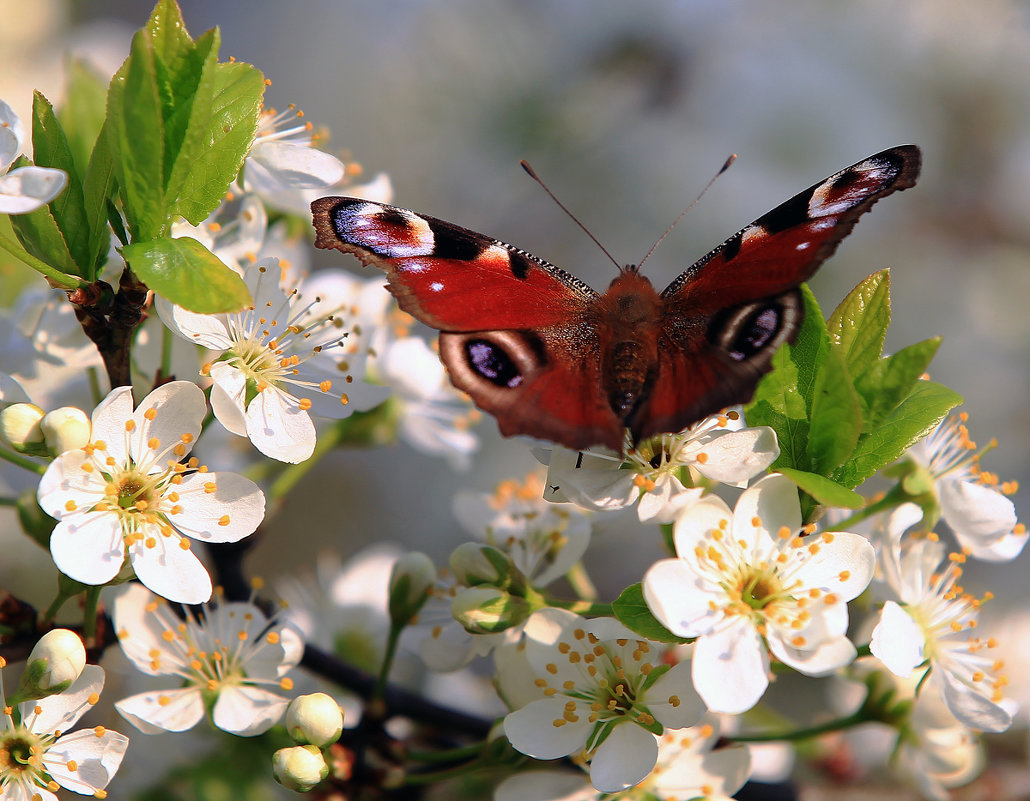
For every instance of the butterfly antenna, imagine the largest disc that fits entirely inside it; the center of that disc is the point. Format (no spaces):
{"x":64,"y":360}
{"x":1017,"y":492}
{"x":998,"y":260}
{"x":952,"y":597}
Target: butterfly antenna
{"x":535,"y":177}
{"x":722,"y":169}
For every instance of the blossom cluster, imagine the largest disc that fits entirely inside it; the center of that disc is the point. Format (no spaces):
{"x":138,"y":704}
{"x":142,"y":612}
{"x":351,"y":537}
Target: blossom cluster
{"x":221,"y":367}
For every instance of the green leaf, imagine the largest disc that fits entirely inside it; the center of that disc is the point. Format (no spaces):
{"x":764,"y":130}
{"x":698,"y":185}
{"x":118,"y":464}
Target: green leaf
{"x":136,"y":115}
{"x":187,"y":128}
{"x":859,"y":324}
{"x":778,"y":403}
{"x":889,"y":381}
{"x":187,"y":274}
{"x":84,"y":110}
{"x":826,"y":491}
{"x":836,"y":416}
{"x":40,"y":235}
{"x":810,"y":348}
{"x":913,"y":419}
{"x":98,"y":189}
{"x":50,"y":149}
{"x":235,"y":109}
{"x":631,"y":610}
{"x":167,"y":31}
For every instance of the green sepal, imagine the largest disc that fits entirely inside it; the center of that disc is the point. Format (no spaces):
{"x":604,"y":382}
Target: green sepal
{"x":632,"y":611}
{"x":187,"y":274}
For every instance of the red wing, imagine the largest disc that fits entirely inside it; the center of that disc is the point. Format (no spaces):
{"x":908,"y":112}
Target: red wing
{"x":450,"y":278}
{"x":544,"y":383}
{"x":726,"y":316}
{"x":784,"y":247}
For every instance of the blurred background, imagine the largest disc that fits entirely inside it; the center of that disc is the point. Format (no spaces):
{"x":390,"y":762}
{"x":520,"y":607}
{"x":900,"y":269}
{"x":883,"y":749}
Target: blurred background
{"x":626,"y":110}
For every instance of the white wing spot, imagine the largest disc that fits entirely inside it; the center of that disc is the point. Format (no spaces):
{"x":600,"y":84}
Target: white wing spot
{"x":416,"y":237}
{"x":436,"y":286}
{"x":803,"y":246}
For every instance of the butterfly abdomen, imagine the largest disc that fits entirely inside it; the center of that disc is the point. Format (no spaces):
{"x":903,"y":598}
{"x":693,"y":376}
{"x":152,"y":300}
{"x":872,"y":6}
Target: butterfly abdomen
{"x":631,"y":316}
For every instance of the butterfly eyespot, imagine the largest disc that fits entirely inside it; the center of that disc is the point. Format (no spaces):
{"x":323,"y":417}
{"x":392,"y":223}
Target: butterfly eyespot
{"x":491,"y":362}
{"x":757,"y":328}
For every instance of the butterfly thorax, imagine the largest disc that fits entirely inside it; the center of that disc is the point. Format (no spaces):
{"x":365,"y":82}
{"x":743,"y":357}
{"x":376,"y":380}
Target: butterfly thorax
{"x":628,"y":333}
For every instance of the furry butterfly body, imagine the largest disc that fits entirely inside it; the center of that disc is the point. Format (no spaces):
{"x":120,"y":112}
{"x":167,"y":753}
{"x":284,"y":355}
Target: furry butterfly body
{"x":550,"y":357}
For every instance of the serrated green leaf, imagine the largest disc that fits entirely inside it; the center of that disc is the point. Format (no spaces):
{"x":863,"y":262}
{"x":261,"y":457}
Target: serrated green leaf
{"x":187,"y":274}
{"x":811,"y":346}
{"x":135,"y":112}
{"x":825,"y":490}
{"x":167,"y":31}
{"x":631,"y":610}
{"x":84,"y":111}
{"x":98,"y":188}
{"x":836,"y":416}
{"x":235,"y":109}
{"x":889,"y":381}
{"x":50,"y":149}
{"x":778,"y":404}
{"x":187,"y":127}
{"x":913,"y":419}
{"x":859,"y":324}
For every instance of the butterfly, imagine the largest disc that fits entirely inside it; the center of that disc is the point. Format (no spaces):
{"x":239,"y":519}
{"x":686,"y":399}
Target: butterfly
{"x":548,"y":356}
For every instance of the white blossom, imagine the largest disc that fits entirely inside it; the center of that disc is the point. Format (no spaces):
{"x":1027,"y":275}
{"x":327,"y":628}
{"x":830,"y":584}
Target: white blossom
{"x":229,"y":655}
{"x":132,"y":492}
{"x":753,"y":581}
{"x":281,"y":361}
{"x":38,"y":753}
{"x":972,"y":501}
{"x":599,"y":702}
{"x":933,"y":621}
{"x":651,"y":474}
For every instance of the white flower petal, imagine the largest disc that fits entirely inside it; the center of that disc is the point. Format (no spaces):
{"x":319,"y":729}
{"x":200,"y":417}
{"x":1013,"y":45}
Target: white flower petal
{"x":62,"y":711}
{"x":843,"y":565}
{"x":12,"y":134}
{"x":169,"y":570}
{"x":140,"y":628}
{"x":163,"y":710}
{"x":278,"y":428}
{"x":108,"y":422}
{"x":673,"y":700}
{"x":247,"y":710}
{"x":97,"y":759}
{"x":897,"y":640}
{"x":731,"y":668}
{"x":719,"y":772}
{"x":774,"y":501}
{"x":736,"y":456}
{"x":677,"y":597}
{"x":971,"y":707}
{"x":28,"y":188}
{"x":179,"y":408}
{"x":88,"y":547}
{"x":624,"y":759}
{"x":828,"y":657}
{"x":980,"y":516}
{"x":531,"y":729}
{"x":273,"y":167}
{"x":693,"y":525}
{"x":65,"y":481}
{"x":448,"y":648}
{"x":232,"y":511}
{"x":545,"y":785}
{"x":228,"y":393}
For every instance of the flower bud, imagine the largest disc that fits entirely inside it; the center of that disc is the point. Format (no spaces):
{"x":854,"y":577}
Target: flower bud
{"x":55,"y":662}
{"x":314,"y":719}
{"x":19,"y":428}
{"x":475,"y":564}
{"x":299,"y":767}
{"x":411,"y":581}
{"x":65,"y":429}
{"x":486,"y":610}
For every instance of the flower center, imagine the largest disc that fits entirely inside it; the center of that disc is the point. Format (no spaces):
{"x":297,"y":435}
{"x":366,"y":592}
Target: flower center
{"x":20,"y":755}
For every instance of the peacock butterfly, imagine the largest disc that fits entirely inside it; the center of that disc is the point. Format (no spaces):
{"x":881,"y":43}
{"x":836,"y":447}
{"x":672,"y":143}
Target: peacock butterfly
{"x":550,"y":357}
